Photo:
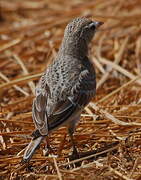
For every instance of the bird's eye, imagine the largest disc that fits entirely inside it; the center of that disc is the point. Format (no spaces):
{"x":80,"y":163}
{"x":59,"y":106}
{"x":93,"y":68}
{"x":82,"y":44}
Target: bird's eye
{"x":92,"y":26}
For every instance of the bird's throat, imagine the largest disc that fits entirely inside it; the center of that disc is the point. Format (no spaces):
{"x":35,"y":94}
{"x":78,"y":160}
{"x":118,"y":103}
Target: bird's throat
{"x":75,"y":48}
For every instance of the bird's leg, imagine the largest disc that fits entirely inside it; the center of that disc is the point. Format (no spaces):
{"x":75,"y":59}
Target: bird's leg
{"x":75,"y":152}
{"x":48,"y":148}
{"x":71,"y":129}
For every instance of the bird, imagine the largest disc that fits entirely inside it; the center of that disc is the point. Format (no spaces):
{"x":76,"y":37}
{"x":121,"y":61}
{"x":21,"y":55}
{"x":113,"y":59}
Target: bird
{"x":66,"y":86}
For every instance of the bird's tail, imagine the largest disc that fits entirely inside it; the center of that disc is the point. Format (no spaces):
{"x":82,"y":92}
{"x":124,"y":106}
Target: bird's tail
{"x":31,"y":148}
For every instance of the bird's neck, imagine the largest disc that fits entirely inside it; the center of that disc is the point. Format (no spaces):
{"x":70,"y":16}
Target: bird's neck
{"x":73,"y":47}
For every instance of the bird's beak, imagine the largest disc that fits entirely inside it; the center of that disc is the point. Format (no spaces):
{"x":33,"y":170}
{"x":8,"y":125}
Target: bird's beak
{"x":96,"y":24}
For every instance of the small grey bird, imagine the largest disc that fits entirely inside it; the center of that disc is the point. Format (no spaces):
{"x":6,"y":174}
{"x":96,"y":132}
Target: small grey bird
{"x":67,"y":85}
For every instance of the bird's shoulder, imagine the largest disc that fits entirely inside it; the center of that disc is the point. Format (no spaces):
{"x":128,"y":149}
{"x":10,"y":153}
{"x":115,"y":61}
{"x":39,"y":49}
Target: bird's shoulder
{"x":63,"y":70}
{"x":81,"y":80}
{"x":64,"y":76}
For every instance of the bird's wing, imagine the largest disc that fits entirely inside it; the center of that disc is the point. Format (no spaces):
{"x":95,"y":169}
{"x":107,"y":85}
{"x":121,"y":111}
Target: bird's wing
{"x":39,"y":117}
{"x":62,"y":114}
{"x":84,"y":89}
{"x":81,"y":94}
{"x":39,"y":112}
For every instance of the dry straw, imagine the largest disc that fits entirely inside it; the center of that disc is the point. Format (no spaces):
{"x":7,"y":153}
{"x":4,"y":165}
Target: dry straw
{"x":108,"y":136}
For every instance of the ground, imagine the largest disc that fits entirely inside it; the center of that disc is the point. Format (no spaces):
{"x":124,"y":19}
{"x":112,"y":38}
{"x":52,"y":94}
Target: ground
{"x":108,"y":136}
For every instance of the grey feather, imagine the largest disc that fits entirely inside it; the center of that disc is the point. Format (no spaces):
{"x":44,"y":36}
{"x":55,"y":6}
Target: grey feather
{"x":67,"y":85}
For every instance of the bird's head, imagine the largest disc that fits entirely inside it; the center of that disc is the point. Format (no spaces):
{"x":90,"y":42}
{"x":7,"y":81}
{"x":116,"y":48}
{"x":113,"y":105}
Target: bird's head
{"x":82,"y":28}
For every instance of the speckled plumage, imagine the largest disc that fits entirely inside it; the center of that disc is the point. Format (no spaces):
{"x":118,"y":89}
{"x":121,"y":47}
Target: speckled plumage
{"x":67,"y":85}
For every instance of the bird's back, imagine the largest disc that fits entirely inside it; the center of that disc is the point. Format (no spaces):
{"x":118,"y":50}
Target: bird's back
{"x":61,"y":77}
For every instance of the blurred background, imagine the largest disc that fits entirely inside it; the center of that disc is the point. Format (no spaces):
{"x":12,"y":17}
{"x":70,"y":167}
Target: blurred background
{"x":30,"y":34}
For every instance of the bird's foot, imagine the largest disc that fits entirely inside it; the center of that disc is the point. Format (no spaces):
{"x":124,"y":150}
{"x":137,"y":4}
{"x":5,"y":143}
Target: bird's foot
{"x":75,"y":153}
{"x":48,"y":150}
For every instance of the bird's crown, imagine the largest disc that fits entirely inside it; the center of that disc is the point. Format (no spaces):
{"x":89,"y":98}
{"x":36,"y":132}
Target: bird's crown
{"x":77,"y":24}
{"x":80,"y":26}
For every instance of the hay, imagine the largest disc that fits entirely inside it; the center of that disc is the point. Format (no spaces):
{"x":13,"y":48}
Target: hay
{"x":109,"y":134}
